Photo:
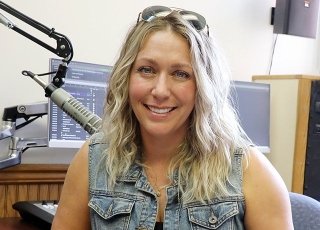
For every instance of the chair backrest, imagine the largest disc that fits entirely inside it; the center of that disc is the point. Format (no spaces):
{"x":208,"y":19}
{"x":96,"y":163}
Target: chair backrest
{"x":305,"y":212}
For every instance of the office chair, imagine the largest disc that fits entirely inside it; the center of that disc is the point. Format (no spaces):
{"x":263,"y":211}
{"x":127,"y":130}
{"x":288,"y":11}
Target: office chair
{"x":305,"y":212}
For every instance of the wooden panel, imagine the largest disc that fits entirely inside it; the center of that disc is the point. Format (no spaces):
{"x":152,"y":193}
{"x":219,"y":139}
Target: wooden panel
{"x":283,"y":113}
{"x":54,"y":191}
{"x":29,"y":173}
{"x":2,"y":199}
{"x":284,"y":77}
{"x":22,"y":194}
{"x":29,"y":182}
{"x":10,"y":198}
{"x":301,"y":135}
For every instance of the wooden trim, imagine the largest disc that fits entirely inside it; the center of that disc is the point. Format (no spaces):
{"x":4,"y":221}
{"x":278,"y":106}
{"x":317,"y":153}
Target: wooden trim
{"x":12,"y":193}
{"x":30,"y":182}
{"x":304,"y":92}
{"x":34,"y":173}
{"x":282,"y":77}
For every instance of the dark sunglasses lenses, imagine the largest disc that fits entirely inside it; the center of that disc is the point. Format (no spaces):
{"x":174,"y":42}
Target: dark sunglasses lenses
{"x":195,"y":19}
{"x":154,"y":11}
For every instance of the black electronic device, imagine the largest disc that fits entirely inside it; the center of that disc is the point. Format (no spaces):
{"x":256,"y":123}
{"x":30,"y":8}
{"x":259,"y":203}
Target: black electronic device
{"x":40,"y":213}
{"x":311,"y":186}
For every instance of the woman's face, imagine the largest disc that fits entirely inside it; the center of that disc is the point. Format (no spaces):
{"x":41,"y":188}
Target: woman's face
{"x":162,"y":85}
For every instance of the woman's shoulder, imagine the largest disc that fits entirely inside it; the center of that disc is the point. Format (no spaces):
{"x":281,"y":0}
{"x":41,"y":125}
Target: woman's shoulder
{"x":73,"y":208}
{"x":256,"y":159}
{"x":259,"y":175}
{"x":266,"y":195}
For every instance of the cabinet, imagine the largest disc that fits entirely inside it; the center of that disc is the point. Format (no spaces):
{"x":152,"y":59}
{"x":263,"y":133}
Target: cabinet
{"x":290,"y":97}
{"x":29,"y":182}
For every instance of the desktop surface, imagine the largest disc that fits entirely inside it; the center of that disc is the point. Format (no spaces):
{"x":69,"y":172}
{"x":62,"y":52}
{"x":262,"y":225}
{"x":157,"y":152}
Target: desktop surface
{"x":16,"y":223}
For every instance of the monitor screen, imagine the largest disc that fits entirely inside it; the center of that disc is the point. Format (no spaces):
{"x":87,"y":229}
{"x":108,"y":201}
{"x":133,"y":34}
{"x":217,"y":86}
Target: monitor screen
{"x":87,"y":82}
{"x":252,"y":101}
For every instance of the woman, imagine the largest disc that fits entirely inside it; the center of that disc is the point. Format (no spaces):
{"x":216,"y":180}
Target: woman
{"x":171,"y":153}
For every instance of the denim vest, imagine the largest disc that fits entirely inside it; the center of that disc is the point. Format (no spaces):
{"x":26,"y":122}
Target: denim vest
{"x":132,"y":204}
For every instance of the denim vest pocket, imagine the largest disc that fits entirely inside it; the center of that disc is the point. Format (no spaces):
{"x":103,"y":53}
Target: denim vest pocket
{"x":108,"y":207}
{"x":110,"y":212}
{"x":213,"y":216}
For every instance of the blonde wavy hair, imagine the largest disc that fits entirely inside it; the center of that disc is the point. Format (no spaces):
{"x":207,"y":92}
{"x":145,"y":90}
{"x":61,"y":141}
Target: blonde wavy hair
{"x":203,"y":161}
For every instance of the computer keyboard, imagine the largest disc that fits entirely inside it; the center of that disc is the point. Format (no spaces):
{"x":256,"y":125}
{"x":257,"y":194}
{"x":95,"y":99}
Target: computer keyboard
{"x":40,"y":213}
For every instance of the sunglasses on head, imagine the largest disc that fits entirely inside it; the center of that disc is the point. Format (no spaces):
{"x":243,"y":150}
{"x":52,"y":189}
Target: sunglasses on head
{"x":195,"y":19}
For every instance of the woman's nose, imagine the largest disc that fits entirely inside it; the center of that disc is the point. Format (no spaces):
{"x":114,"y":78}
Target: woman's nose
{"x":161,"y":87}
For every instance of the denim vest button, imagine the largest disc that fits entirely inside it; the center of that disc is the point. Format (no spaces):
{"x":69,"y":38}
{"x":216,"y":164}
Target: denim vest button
{"x":213,"y":219}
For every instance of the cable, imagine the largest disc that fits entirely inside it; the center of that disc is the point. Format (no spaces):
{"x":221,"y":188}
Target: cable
{"x":43,"y":74}
{"x":272,"y":53}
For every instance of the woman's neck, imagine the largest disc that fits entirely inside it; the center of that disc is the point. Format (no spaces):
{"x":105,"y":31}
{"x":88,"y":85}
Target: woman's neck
{"x":158,"y":153}
{"x":159,"y":149}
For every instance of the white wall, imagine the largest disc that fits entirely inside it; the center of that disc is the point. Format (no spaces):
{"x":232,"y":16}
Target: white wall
{"x":96,"y":29}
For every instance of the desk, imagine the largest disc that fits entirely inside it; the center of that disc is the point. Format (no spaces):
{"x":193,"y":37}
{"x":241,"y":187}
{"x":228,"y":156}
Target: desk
{"x":16,"y":223}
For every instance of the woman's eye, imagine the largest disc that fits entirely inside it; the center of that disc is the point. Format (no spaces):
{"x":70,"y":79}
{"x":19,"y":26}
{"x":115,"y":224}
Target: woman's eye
{"x":181,"y":74}
{"x":145,"y":70}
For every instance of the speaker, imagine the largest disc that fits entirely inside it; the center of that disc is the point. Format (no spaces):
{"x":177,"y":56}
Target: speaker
{"x":296,"y":17}
{"x":311,"y":185}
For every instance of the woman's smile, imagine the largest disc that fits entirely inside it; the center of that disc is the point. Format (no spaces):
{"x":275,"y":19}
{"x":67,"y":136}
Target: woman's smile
{"x":160,"y":110}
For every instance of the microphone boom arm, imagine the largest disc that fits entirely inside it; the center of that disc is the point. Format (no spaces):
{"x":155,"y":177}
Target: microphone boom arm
{"x":64,"y":46}
{"x":89,"y":121}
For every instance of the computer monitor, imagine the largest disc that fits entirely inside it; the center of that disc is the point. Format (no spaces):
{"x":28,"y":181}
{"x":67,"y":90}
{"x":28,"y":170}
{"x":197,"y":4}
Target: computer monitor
{"x":87,"y":82}
{"x":252,"y":102}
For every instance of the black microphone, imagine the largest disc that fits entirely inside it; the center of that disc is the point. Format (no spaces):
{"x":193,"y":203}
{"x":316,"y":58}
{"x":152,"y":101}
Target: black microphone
{"x":5,"y":21}
{"x":70,"y":105}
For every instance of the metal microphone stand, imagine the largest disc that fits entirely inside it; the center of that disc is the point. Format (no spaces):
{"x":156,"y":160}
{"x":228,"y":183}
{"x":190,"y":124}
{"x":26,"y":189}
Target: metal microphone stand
{"x":18,"y":145}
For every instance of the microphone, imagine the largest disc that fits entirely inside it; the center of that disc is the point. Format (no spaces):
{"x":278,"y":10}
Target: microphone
{"x":75,"y":109}
{"x":70,"y":105}
{"x":5,"y":21}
